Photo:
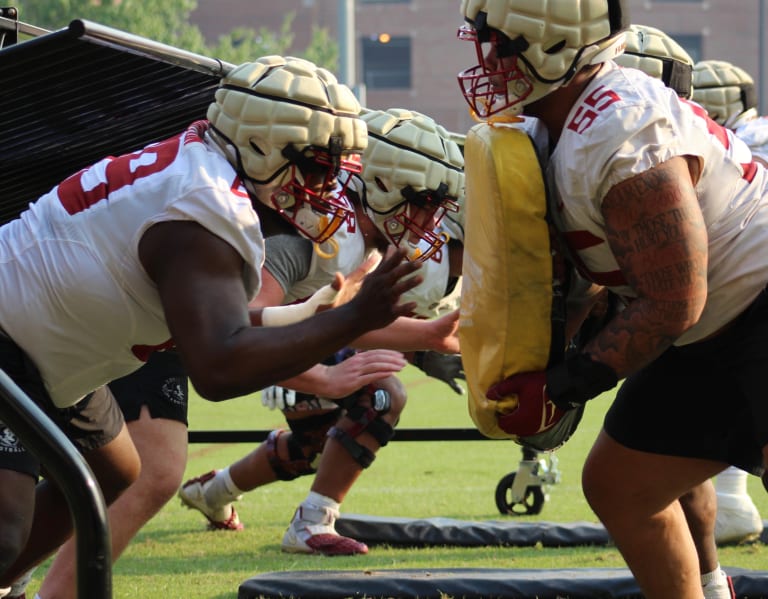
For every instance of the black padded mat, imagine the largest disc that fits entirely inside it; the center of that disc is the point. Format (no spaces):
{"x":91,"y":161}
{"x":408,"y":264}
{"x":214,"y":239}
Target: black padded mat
{"x":414,"y":532}
{"x":420,"y":532}
{"x":469,"y":583}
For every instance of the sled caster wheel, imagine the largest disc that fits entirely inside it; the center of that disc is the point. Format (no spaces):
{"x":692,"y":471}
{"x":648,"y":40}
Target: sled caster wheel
{"x":531,"y":504}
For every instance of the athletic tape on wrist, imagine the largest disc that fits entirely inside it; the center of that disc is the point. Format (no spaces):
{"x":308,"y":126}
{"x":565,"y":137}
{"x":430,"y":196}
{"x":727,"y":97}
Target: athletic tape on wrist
{"x":277,"y":316}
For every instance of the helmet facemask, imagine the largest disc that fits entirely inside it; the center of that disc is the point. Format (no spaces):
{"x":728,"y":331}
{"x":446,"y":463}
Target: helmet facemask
{"x":289,"y":128}
{"x":415,"y":223}
{"x":535,"y":48}
{"x":491,"y":89}
{"x":311,"y":195}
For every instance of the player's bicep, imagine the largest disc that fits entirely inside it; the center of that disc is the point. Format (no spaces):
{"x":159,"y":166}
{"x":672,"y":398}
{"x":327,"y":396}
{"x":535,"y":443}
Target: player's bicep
{"x":657,"y":233}
{"x":199,"y":279}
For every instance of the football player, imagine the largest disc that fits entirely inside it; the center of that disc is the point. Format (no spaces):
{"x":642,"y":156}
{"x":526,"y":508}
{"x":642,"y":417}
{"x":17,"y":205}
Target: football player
{"x":413,"y":176}
{"x":665,"y":208}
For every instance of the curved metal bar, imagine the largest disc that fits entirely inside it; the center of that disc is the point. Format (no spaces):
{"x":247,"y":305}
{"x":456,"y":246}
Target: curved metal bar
{"x":122,"y":40}
{"x":73,"y":475}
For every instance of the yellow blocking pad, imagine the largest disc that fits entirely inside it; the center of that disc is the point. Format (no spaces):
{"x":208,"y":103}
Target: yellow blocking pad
{"x":505,"y":322}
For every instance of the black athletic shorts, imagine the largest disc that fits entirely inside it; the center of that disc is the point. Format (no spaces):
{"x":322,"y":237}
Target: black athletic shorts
{"x":161,"y":385}
{"x":91,"y":423}
{"x":704,"y":400}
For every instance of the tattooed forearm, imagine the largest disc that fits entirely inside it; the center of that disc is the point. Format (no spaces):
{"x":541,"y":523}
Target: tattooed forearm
{"x":668,"y":278}
{"x":655,"y":229}
{"x":633,"y":339}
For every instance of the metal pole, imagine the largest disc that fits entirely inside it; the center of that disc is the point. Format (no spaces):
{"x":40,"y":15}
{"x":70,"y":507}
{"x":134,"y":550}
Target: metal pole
{"x":763,"y":68}
{"x":347,"y":65}
{"x":71,"y":472}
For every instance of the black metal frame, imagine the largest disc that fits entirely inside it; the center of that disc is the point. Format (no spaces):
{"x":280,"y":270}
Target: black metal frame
{"x":401,"y":434}
{"x":73,"y":475}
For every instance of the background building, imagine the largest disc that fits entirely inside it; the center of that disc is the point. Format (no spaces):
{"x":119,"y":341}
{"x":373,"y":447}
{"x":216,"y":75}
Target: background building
{"x":405,"y":53}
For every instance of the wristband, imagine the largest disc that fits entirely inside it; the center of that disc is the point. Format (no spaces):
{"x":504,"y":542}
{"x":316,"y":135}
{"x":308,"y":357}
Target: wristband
{"x":278,"y":316}
{"x":578,"y":379}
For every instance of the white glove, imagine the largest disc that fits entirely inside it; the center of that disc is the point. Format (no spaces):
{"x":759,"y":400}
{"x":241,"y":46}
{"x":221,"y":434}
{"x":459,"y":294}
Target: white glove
{"x":276,"y":397}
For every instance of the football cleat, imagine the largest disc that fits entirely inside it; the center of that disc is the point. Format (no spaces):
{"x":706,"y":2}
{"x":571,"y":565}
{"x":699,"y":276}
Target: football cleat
{"x":738,"y":520}
{"x":305,"y":535}
{"x":192,"y":495}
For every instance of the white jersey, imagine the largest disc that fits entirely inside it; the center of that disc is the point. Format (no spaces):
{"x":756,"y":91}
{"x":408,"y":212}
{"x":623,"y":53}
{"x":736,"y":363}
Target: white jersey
{"x":754,"y":133}
{"x":73,"y":293}
{"x":343,"y":253}
{"x":431,"y":295}
{"x":625,"y":123}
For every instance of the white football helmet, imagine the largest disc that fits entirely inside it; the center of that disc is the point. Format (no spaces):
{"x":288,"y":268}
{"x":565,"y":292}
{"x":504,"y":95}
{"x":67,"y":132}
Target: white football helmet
{"x":413,"y":174}
{"x":288,"y":127}
{"x":726,"y":92}
{"x":543,"y":45}
{"x":656,"y":54}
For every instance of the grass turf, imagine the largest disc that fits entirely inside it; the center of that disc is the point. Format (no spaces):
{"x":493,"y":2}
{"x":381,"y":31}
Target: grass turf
{"x":175,"y":557}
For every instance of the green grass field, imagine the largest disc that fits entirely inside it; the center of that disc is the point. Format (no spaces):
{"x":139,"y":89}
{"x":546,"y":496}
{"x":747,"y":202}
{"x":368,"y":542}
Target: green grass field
{"x":174,"y":557}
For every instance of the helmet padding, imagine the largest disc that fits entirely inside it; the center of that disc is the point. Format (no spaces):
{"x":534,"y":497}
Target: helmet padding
{"x":551,"y":39}
{"x":658,"y":55}
{"x":409,"y":159}
{"x":724,"y":90}
{"x":263,"y":107}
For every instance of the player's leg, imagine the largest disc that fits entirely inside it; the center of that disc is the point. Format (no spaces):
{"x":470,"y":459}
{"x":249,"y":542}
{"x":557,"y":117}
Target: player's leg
{"x":635,"y":494}
{"x":19,"y":469}
{"x":154,"y":403}
{"x":17,"y":501}
{"x":660,"y":442}
{"x":96,"y":427}
{"x":351,"y":447}
{"x":700,"y":506}
{"x":283,"y":456}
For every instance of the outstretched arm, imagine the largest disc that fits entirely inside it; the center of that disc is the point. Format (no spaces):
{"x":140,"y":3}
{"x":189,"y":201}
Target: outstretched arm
{"x":198,"y":277}
{"x":414,"y":334}
{"x":346,"y":377}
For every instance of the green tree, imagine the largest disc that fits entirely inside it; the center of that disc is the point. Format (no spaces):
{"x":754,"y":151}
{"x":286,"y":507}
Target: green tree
{"x":168,"y":21}
{"x":244,"y":43}
{"x":165,"y":21}
{"x":323,"y":50}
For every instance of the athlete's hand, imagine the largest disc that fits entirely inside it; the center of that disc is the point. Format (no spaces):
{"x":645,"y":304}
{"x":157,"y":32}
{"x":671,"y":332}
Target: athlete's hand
{"x":444,"y":334}
{"x":535,"y":412}
{"x":377,"y":302}
{"x":361,"y":369}
{"x":347,"y":287}
{"x":275,"y":397}
{"x":444,"y":367}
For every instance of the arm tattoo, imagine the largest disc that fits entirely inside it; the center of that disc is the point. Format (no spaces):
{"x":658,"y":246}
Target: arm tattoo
{"x":657,"y":234}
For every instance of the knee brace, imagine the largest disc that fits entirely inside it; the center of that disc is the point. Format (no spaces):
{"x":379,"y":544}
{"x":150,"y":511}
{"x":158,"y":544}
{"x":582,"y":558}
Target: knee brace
{"x":305,"y":444}
{"x":365,"y":419}
{"x":297,"y":463}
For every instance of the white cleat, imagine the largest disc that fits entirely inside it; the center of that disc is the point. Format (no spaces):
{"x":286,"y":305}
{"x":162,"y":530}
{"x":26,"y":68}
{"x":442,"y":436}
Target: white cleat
{"x":310,"y":536}
{"x":192,"y":495}
{"x":738,"y":520}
